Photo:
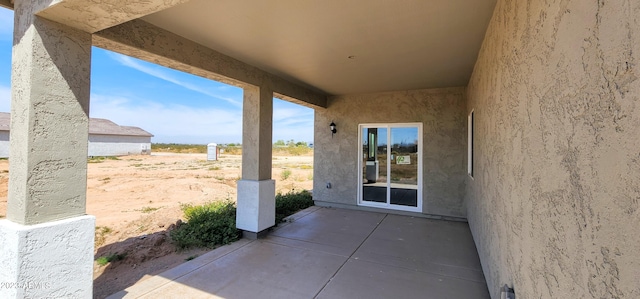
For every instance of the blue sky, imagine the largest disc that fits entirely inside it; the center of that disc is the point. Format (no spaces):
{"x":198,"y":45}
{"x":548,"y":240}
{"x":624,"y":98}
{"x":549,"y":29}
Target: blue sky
{"x":174,"y":106}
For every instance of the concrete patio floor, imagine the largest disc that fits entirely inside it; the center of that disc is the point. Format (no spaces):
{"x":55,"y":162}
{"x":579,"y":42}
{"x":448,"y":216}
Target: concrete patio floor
{"x":333,"y":253}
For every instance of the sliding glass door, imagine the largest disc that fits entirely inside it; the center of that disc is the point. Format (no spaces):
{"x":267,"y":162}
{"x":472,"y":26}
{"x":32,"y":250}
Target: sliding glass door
{"x":391,"y":166}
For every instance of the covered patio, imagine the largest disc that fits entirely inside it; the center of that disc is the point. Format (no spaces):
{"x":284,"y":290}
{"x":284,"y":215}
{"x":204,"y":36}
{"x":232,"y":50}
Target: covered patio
{"x":519,"y":117}
{"x":333,"y":253}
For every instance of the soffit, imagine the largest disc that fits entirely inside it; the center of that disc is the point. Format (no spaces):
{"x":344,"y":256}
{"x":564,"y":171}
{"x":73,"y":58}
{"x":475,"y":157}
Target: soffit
{"x":394,"y":45}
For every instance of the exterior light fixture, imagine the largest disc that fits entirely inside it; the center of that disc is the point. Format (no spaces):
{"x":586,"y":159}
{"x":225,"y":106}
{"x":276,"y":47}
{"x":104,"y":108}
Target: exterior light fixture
{"x":332,"y":126}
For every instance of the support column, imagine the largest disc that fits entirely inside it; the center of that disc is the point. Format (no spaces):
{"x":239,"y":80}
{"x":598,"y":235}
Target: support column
{"x":256,"y":191}
{"x":47,"y":240}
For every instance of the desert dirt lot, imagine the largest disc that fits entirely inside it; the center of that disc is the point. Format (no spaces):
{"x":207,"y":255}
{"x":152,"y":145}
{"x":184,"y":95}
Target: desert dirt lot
{"x":136,"y":201}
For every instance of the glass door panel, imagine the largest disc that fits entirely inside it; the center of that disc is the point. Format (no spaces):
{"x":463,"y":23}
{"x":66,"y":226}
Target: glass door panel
{"x":374,"y":164}
{"x":390,"y":174}
{"x":403,"y":168}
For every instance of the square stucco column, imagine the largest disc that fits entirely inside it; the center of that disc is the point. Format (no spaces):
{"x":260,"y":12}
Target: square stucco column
{"x":47,"y":239}
{"x":47,"y":260}
{"x":256,"y":191}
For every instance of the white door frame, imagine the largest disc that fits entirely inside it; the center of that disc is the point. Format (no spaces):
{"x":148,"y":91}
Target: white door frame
{"x":388,"y":205}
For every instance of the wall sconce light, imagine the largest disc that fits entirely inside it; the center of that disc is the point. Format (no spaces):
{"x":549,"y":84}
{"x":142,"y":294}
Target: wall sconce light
{"x":332,"y":126}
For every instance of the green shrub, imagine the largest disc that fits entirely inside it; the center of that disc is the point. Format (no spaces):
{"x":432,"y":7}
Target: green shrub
{"x":214,"y":223}
{"x":113,"y":257}
{"x":289,"y":203}
{"x":208,"y":225}
{"x":285,"y":174}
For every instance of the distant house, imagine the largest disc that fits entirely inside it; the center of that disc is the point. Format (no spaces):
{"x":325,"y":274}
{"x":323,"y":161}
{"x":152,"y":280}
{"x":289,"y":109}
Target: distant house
{"x":106,"y":138}
{"x":5,"y":120}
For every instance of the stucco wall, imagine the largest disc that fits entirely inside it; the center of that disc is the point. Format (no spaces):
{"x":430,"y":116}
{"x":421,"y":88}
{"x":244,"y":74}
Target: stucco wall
{"x":442,"y":112}
{"x":554,"y":206}
{"x":111,"y":145}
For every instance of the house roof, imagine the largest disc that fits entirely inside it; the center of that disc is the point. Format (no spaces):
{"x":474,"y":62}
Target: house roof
{"x":97,"y":126}
{"x":101,"y":126}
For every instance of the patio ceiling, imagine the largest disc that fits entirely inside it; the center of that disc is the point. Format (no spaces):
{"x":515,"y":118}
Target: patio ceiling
{"x":342,"y":47}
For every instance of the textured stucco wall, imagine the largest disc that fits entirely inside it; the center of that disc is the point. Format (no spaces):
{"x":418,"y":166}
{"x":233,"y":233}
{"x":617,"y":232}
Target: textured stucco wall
{"x":50,"y":89}
{"x":442,"y":112}
{"x":110,"y":145}
{"x":47,"y":260}
{"x":554,"y":206}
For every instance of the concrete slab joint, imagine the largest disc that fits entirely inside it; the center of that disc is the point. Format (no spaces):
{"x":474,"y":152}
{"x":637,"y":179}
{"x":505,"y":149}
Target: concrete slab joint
{"x":256,"y":205}
{"x":47,"y":260}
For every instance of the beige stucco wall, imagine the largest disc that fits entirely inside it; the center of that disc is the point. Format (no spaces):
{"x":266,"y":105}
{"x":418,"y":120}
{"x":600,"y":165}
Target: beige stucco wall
{"x":442,"y":112}
{"x":555,"y":203}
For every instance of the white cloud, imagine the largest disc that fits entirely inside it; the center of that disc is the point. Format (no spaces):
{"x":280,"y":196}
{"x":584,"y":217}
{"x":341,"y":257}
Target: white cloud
{"x":292,"y":115}
{"x":164,"y":75}
{"x":292,"y":122}
{"x":183,"y":124}
{"x":171,"y":123}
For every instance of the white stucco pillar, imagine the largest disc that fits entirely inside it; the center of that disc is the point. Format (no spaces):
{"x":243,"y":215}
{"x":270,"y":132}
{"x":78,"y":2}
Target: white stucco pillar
{"x":47,"y":240}
{"x":256,"y":190}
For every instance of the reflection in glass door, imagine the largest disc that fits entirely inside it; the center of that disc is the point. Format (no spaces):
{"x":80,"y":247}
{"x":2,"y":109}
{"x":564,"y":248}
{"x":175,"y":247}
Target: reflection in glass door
{"x":374,"y":148}
{"x":391,"y":166}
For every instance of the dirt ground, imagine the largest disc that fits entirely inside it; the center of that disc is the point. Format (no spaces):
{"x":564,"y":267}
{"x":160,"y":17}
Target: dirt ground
{"x":136,"y":201}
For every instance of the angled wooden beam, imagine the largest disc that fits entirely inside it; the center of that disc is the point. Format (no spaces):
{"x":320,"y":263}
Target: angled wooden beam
{"x":145,"y":41}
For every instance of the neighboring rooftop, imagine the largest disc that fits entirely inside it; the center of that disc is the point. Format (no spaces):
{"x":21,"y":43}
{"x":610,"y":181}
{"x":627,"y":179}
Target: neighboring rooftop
{"x":101,"y":126}
{"x":97,"y":126}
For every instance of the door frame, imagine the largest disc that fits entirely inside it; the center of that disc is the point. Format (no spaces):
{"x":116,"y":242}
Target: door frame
{"x":388,"y":205}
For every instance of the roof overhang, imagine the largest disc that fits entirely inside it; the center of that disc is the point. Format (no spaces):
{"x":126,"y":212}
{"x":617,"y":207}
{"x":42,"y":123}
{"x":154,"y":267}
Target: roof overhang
{"x":303,"y":50}
{"x":341,"y":47}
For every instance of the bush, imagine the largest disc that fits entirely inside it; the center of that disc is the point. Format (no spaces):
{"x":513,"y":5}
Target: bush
{"x":214,"y":223}
{"x":208,"y":225}
{"x":113,"y":257}
{"x":289,"y":203}
{"x":285,"y":174}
